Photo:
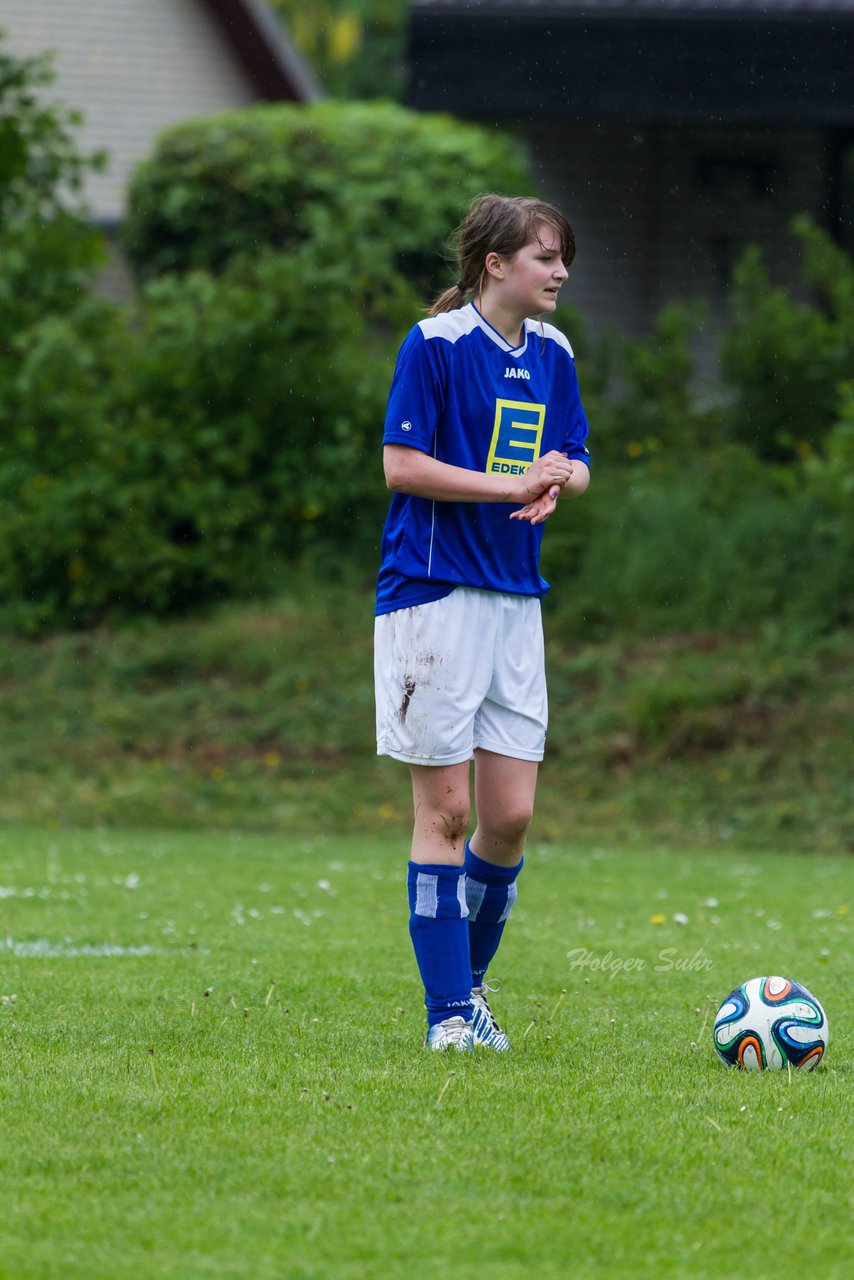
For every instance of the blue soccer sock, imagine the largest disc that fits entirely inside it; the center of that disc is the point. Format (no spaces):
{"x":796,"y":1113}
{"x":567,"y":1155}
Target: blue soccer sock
{"x":438,"y":926}
{"x":490,"y":894}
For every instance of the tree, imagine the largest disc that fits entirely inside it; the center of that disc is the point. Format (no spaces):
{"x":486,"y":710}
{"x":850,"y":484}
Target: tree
{"x":355,"y":46}
{"x":49,"y":249}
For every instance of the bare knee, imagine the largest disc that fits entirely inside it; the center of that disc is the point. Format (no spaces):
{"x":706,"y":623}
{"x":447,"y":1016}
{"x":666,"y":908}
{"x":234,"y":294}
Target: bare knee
{"x":506,"y":829}
{"x":450,"y":822}
{"x":445,"y":826}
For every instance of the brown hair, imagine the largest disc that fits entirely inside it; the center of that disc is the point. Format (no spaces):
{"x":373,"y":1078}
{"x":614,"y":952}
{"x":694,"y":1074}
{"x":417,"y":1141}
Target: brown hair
{"x":503,"y":225}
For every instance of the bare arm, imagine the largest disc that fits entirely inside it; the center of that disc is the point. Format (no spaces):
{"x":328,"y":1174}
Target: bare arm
{"x":408,"y":470}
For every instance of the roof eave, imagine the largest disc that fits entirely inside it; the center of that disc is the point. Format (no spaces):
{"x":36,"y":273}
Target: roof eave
{"x":259,"y":40}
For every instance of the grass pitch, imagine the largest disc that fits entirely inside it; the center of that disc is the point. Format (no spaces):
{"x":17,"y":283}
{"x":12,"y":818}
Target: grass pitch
{"x":211,"y":1066}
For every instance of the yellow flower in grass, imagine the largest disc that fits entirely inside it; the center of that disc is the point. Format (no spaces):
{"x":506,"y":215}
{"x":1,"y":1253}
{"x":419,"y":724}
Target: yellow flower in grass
{"x":658,"y":918}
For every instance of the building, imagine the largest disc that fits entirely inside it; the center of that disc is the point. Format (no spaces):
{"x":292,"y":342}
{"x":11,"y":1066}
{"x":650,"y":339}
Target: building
{"x":674,"y":132}
{"x":134,"y":67}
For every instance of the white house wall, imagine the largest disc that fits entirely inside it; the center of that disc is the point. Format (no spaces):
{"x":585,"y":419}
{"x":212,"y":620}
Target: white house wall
{"x":133,"y":67}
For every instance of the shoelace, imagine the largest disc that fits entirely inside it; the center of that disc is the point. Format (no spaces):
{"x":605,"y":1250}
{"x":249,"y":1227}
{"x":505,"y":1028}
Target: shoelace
{"x":493,"y":1033}
{"x":453,"y":1031}
{"x":479,"y":994}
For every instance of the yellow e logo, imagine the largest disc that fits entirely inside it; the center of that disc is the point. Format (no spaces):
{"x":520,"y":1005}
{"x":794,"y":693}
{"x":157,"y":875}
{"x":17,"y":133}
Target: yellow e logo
{"x":516,"y":436}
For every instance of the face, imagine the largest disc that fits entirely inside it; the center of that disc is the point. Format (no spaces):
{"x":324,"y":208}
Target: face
{"x":530,"y":281}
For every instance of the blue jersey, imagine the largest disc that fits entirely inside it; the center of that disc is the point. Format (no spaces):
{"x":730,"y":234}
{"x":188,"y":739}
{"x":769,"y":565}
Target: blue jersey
{"x":464,"y":395}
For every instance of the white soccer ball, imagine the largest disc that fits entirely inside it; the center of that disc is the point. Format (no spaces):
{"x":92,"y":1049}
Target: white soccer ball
{"x":770,"y":1023}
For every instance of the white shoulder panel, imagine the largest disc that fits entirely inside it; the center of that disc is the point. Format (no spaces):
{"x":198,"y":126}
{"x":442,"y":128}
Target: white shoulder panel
{"x":549,"y":331}
{"x":450,"y":325}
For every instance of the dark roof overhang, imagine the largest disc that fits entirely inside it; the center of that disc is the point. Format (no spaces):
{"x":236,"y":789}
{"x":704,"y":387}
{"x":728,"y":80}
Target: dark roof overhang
{"x":259,"y":41}
{"x":673,"y":61}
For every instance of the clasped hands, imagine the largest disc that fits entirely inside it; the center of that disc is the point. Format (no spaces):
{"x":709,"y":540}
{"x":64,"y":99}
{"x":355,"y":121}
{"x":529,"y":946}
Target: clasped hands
{"x":541,"y":485}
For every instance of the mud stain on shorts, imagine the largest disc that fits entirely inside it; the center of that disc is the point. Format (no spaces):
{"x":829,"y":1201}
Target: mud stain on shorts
{"x":408,"y":690}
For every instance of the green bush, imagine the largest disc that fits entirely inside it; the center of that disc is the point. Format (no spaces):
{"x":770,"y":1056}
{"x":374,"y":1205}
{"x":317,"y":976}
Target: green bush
{"x":188,"y":446}
{"x":830,"y":473}
{"x":378,"y":186}
{"x":641,"y":395}
{"x":49,"y":248}
{"x":783,"y":359}
{"x":723,"y":543}
{"x":180,"y":451}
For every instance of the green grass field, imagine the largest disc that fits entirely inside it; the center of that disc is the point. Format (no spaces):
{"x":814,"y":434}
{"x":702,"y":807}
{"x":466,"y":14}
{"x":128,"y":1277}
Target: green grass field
{"x":211,"y":1066}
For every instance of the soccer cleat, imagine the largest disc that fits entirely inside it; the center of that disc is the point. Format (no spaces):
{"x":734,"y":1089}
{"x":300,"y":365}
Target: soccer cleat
{"x":453,"y":1033}
{"x":485,"y":1029}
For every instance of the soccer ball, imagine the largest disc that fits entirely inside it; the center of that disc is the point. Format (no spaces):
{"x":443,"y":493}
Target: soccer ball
{"x":769,"y":1023}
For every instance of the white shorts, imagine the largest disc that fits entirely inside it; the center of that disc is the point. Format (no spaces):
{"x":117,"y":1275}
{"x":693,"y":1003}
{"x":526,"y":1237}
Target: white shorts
{"x":462,"y":672}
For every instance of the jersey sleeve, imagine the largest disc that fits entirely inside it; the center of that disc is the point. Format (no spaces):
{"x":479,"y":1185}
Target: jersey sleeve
{"x":417,"y":395}
{"x":575,"y":429}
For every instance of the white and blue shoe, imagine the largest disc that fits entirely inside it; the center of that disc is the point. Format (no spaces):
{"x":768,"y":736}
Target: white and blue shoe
{"x":485,"y":1029}
{"x":453,"y":1033}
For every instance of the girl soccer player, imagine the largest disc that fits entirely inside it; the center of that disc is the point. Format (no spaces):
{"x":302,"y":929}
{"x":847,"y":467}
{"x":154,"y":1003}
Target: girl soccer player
{"x":484,"y":432}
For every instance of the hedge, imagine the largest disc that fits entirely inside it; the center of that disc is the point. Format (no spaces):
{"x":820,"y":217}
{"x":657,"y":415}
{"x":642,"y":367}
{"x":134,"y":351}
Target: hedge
{"x":172,"y":453}
{"x":183,"y":448}
{"x":378,"y":186}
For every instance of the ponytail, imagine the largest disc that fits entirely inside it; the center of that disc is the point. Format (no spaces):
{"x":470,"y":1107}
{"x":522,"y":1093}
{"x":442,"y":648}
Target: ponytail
{"x":450,"y":300}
